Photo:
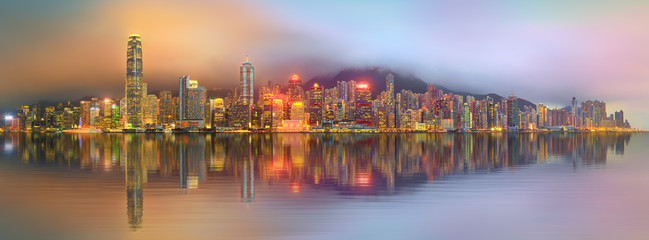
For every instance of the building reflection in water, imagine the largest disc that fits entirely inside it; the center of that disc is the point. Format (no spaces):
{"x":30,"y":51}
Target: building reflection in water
{"x":191,"y":157}
{"x":349,"y":164}
{"x":136,"y":176}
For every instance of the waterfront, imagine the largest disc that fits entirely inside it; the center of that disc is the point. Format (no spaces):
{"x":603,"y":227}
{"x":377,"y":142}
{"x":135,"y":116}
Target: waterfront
{"x":324,"y":186}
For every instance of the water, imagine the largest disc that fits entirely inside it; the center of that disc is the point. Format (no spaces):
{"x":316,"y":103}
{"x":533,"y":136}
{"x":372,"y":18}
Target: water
{"x":311,"y":186}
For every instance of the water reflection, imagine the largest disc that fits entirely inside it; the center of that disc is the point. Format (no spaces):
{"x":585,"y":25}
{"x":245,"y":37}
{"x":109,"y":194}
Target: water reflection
{"x":346,"y":164}
{"x":136,"y":176}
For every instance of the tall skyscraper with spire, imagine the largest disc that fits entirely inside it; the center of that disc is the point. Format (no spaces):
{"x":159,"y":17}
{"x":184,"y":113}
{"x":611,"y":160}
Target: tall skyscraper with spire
{"x":247,"y":76}
{"x":134,"y":85}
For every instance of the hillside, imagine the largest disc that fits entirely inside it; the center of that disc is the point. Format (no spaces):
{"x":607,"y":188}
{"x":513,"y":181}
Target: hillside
{"x":375,"y":78}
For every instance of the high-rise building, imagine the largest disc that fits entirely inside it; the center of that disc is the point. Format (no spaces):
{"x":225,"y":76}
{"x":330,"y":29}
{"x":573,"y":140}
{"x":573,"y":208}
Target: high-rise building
{"x":166,"y":114}
{"x":247,"y":79}
{"x":191,"y":102}
{"x":150,"y":110}
{"x":363,"y":105}
{"x":542,"y":115}
{"x":218,"y":114}
{"x":134,"y":84}
{"x":573,"y":112}
{"x":294,"y":89}
{"x":85,"y":113}
{"x":389,"y":86}
{"x":468,"y":117}
{"x":315,"y":105}
{"x":297,"y":112}
{"x":513,"y":118}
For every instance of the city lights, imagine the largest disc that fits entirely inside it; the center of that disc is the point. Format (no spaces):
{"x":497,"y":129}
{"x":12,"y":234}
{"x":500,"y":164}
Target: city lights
{"x":348,"y":106}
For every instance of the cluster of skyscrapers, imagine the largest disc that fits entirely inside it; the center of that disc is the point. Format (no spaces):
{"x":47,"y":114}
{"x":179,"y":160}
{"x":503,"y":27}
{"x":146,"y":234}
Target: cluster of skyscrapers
{"x":348,"y":106}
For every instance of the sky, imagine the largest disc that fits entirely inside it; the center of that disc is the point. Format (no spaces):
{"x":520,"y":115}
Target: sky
{"x":544,"y":51}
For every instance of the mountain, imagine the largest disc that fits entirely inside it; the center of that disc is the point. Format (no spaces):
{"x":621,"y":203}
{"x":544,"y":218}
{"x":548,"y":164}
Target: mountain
{"x":375,"y":78}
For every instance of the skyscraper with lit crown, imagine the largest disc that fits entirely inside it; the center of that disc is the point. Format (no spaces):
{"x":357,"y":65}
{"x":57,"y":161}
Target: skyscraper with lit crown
{"x":134,"y":84}
{"x":247,"y":77}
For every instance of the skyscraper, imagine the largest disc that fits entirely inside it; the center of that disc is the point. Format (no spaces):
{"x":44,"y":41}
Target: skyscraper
{"x":363,"y":105}
{"x":191,"y":102}
{"x":513,"y":120}
{"x":573,"y":112}
{"x":247,"y":76}
{"x":166,"y":114}
{"x":150,"y":110}
{"x":134,"y":82}
{"x":315,"y":105}
{"x":389,"y":86}
{"x":294,"y":89}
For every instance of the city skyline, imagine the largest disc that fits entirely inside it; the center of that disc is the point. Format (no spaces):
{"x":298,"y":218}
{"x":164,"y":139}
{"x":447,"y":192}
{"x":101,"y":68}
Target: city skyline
{"x":560,"y":40}
{"x":347,"y":106}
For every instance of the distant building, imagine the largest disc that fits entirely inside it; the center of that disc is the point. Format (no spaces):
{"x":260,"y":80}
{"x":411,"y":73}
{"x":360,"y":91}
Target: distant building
{"x":247,"y":80}
{"x":363,"y":105}
{"x":315,"y":105}
{"x":166,"y":108}
{"x":513,"y":118}
{"x":85,"y":113}
{"x":150,"y":109}
{"x":192,"y":101}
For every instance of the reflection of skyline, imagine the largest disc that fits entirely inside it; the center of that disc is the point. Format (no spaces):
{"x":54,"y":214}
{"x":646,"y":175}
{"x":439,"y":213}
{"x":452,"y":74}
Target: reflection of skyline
{"x":370,"y":164}
{"x":341,"y":160}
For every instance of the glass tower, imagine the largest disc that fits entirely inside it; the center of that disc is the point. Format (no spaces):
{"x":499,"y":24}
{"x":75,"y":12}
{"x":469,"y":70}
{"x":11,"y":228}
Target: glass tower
{"x":134,"y":82}
{"x":247,"y":82}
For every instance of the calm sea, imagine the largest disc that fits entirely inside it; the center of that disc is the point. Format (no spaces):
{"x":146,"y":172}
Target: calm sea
{"x":324,"y":186}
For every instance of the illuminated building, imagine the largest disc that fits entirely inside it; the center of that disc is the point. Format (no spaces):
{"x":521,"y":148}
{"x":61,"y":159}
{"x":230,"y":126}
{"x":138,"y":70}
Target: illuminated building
{"x":619,"y":119}
{"x":191,"y":102}
{"x":295,"y":90}
{"x":240,"y":115}
{"x":267,"y":118}
{"x":541,"y":115}
{"x":381,"y":117}
{"x":315,"y":105}
{"x":297,"y":112}
{"x":351,"y":100}
{"x":219,"y":113}
{"x":256,"y":117}
{"x":134,"y":84}
{"x":166,"y":113}
{"x":390,"y":109}
{"x":340,"y":109}
{"x":95,"y":119}
{"x":278,"y":112}
{"x":513,"y":117}
{"x":363,"y":105}
{"x":594,"y":112}
{"x":573,"y":112}
{"x":468,"y":122}
{"x":85,"y":113}
{"x":150,"y":110}
{"x":247,"y":79}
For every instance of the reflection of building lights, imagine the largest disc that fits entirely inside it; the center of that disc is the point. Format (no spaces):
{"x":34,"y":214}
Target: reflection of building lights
{"x":295,"y":187}
{"x":278,"y":165}
{"x":363,"y":179}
